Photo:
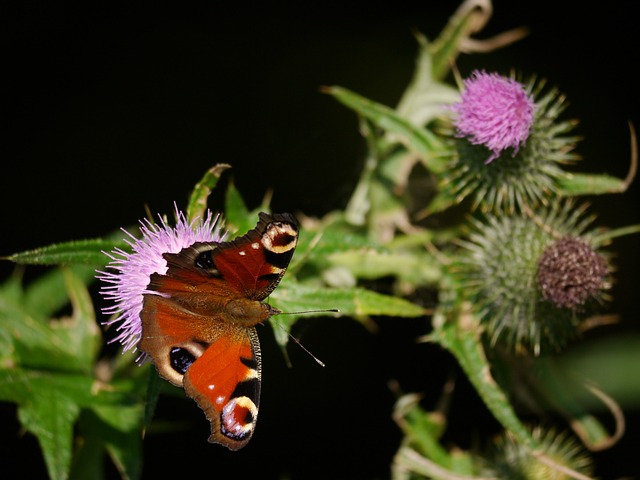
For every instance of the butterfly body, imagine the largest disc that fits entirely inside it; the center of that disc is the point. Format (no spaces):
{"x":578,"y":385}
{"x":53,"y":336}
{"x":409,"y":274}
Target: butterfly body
{"x":198,"y":322}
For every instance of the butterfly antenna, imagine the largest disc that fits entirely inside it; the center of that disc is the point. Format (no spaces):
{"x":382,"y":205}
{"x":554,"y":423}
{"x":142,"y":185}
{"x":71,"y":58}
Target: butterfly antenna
{"x":318,"y":361}
{"x":328,"y":310}
{"x":331,"y":310}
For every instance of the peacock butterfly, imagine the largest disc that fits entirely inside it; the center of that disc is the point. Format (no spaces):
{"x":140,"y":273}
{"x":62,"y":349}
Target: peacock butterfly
{"x":198,"y":324}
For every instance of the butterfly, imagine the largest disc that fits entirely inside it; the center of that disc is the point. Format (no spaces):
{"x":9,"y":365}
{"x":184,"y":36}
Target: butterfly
{"x":198,"y":325}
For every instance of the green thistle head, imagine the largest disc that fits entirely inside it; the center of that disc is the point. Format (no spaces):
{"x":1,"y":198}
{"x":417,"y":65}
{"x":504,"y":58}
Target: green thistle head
{"x":532,"y":281}
{"x":509,"y":144}
{"x":510,"y":459}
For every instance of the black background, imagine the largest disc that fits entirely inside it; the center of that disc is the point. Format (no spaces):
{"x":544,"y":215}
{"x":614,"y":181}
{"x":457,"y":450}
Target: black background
{"x":108,"y":108}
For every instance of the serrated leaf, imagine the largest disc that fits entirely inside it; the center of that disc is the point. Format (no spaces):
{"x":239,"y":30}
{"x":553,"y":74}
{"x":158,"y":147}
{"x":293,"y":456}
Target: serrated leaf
{"x":36,"y":341}
{"x":292,"y":296}
{"x":461,"y":337}
{"x":417,"y":139}
{"x":47,"y":409}
{"x":50,"y":418}
{"x":49,"y":403}
{"x":80,"y":252}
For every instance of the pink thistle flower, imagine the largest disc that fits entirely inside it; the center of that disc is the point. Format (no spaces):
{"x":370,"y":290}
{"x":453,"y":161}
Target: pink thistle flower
{"x":127,"y":275}
{"x":495,"y":112}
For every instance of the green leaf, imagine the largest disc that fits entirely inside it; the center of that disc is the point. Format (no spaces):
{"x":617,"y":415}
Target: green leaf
{"x":417,"y":268}
{"x":417,"y":139}
{"x":47,"y":409}
{"x":82,"y":252}
{"x":34,"y":343}
{"x":568,"y":384}
{"x":153,"y":386}
{"x":332,"y":236}
{"x":292,"y":296}
{"x":119,"y":429}
{"x":47,"y":366}
{"x":68,"y":344}
{"x":50,"y":418}
{"x":88,"y":458}
{"x":46,"y":294}
{"x":312,"y":300}
{"x":422,"y":429}
{"x":80,"y":332}
{"x":197,"y":206}
{"x":238,"y":217}
{"x":49,"y":403}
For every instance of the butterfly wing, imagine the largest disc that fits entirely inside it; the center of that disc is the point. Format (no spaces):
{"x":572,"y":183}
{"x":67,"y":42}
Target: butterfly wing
{"x":254,"y":263}
{"x":217,"y":364}
{"x":199,"y":326}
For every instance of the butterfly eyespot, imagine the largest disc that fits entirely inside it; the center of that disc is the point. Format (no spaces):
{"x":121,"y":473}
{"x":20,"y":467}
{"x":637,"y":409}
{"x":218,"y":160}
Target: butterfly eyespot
{"x":238,"y":417}
{"x":205,"y":260}
{"x":181,"y":359}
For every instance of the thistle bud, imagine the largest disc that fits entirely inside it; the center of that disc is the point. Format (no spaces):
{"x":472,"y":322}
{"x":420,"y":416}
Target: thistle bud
{"x":532,"y":281}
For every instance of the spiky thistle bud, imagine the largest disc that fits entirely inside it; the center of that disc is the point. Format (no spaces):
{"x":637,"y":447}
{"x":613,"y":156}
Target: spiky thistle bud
{"x":509,"y":143}
{"x":532,"y":281}
{"x":510,"y":459}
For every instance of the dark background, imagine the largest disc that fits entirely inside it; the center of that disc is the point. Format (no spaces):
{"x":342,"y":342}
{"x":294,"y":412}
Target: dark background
{"x":110,"y":108}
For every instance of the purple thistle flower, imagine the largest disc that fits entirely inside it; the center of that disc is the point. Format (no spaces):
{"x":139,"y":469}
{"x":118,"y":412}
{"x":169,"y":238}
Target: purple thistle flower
{"x":495,"y":112}
{"x":128,"y":274}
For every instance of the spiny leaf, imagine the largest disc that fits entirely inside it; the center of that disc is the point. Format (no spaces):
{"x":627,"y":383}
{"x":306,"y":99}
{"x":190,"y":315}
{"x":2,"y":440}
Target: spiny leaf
{"x":418,"y":139}
{"x":82,"y":252}
{"x":461,"y":336}
{"x":50,"y":418}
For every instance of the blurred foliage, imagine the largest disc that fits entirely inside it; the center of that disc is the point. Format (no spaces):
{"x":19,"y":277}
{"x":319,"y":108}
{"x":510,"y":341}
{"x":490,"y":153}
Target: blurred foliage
{"x":51,"y":364}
